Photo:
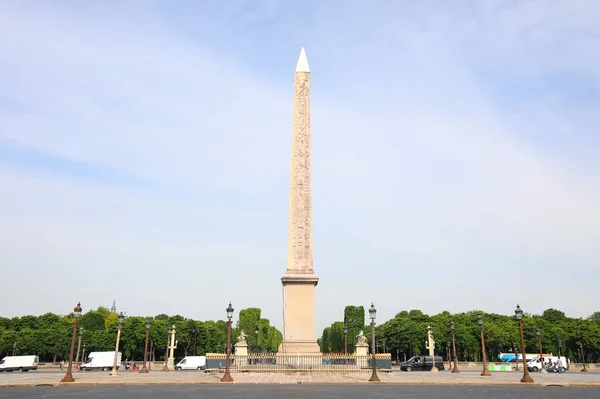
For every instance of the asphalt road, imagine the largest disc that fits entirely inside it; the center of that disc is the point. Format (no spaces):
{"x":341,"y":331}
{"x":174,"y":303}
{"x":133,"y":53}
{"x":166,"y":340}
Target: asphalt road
{"x":303,"y":391}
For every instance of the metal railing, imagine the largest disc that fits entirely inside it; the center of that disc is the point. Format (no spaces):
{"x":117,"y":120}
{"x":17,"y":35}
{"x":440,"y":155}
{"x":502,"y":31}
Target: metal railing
{"x":288,"y":363}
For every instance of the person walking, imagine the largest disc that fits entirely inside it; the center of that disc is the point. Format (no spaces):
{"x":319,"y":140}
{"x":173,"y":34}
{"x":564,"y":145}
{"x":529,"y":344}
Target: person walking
{"x":560,"y":365}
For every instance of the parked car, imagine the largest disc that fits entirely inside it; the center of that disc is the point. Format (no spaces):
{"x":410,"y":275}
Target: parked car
{"x":422,"y":363}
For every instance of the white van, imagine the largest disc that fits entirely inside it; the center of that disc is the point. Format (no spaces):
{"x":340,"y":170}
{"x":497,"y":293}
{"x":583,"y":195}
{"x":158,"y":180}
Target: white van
{"x":535,"y":364}
{"x":19,"y":363}
{"x":101,"y":361}
{"x":192,"y":363}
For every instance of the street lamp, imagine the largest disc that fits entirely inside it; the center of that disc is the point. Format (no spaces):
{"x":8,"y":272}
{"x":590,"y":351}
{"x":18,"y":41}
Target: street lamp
{"x":516,"y":356}
{"x":14,"y":352}
{"x":256,"y":331}
{"x":69,"y":376}
{"x":584,"y":369}
{"x":372,"y":315}
{"x":83,"y":354}
{"x":151,"y":355}
{"x":519,"y":317}
{"x":559,"y":348}
{"x":539,"y":336}
{"x":455,"y":368}
{"x":227,"y":375}
{"x":345,"y":340}
{"x":166,"y":366}
{"x":114,"y":371}
{"x":78,"y":346}
{"x":195,"y":342}
{"x":485,"y":372}
{"x":144,"y":368}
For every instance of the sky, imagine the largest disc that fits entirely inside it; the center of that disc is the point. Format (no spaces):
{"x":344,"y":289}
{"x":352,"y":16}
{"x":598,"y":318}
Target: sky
{"x":145,"y":152}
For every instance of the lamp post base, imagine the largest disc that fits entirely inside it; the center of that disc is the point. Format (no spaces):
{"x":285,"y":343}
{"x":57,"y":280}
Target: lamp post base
{"x":227,"y":378}
{"x":374,"y":377}
{"x":526,"y":378}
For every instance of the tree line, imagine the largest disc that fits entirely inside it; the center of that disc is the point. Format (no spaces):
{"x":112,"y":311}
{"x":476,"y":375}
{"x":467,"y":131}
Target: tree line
{"x":404,"y":335}
{"x":49,"y":335}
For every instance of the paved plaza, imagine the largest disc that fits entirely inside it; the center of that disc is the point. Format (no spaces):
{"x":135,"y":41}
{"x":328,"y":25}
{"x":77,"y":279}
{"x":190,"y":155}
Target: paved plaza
{"x":302,"y":392}
{"x":194,"y":377}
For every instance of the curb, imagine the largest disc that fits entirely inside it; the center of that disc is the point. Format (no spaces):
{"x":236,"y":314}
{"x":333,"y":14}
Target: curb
{"x":317,"y":383}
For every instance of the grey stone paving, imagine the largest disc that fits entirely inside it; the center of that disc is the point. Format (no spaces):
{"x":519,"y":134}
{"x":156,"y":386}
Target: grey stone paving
{"x":194,"y":377}
{"x":301,"y":392}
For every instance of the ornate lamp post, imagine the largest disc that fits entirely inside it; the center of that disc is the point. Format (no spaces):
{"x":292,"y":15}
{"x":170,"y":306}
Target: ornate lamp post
{"x":455,"y":358}
{"x":345,"y":340}
{"x":151,"y":355}
{"x":539,"y":337}
{"x":114,"y":371}
{"x":69,"y":376}
{"x":519,"y":316}
{"x":485,"y":372}
{"x":144,"y":368}
{"x":83,"y":354}
{"x":78,"y":346}
{"x":516,"y":356}
{"x":372,"y":315}
{"x":227,"y":375}
{"x":195,"y":342}
{"x":256,"y":331}
{"x":166,"y":366}
{"x":584,"y":369}
{"x":14,"y":352}
{"x":559,"y":348}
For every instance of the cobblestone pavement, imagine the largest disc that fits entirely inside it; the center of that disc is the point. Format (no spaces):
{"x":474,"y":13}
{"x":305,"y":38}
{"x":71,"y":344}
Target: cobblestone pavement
{"x":194,"y":377}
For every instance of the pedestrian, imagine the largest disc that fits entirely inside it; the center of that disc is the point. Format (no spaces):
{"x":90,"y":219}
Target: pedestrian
{"x":560,"y":365}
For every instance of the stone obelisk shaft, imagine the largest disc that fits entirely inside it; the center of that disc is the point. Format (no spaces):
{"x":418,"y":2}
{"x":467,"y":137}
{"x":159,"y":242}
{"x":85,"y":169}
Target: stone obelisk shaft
{"x":300,"y":278}
{"x":300,"y":259}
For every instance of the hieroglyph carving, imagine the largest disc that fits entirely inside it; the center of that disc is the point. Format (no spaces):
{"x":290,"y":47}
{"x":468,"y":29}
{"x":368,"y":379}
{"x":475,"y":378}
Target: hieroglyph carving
{"x":300,"y":203}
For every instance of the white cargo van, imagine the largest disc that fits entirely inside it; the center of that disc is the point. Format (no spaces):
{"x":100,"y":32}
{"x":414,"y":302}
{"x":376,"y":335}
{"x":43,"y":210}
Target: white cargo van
{"x":535,"y":364}
{"x":192,"y":363}
{"x":19,"y":363}
{"x":101,"y":361}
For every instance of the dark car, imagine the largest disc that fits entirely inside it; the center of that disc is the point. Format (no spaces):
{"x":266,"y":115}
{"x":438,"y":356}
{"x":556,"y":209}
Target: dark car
{"x":422,"y":363}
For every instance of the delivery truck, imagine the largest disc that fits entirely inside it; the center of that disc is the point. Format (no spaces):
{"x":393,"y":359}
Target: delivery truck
{"x":192,"y":363}
{"x":101,"y":361}
{"x":19,"y":363}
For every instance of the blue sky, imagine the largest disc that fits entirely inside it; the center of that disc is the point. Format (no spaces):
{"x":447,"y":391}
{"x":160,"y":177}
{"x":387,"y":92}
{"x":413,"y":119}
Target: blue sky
{"x":454,"y":154}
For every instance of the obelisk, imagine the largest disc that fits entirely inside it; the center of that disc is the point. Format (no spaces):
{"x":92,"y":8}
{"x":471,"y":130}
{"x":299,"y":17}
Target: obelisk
{"x":300,"y":279}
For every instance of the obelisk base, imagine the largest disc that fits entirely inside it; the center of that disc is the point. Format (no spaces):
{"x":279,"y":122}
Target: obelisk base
{"x":299,"y":347}
{"x":299,"y":314}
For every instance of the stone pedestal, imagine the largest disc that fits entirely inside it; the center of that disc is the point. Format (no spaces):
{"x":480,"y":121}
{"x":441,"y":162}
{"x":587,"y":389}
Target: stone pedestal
{"x":362,"y":354}
{"x":299,"y":315}
{"x":241,"y":354}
